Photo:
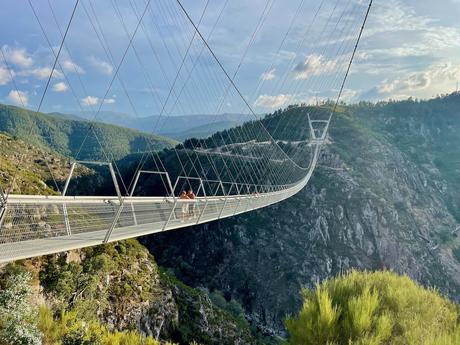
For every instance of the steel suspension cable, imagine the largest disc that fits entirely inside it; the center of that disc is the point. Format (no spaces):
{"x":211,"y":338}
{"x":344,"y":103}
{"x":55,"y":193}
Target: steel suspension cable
{"x":44,"y":92}
{"x":226,"y":73}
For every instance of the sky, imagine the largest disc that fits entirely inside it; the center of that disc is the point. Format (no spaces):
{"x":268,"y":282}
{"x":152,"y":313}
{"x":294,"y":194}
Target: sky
{"x":277,"y":52}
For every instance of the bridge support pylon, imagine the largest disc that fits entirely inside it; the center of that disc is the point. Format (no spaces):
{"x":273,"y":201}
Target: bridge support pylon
{"x":318,"y":135}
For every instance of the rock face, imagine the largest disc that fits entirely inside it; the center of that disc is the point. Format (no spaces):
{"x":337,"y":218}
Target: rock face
{"x":385,"y":195}
{"x":123,"y":288}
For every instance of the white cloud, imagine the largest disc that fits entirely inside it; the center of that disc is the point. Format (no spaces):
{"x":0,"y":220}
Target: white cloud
{"x":18,"y":97}
{"x":402,"y":51}
{"x":407,"y":51}
{"x":72,"y":67}
{"x":396,"y":31}
{"x":286,"y":55}
{"x":270,"y":75}
{"x":17,"y":56}
{"x":101,"y":65}
{"x":439,"y":74}
{"x":89,"y":100}
{"x":60,"y":87}
{"x":313,"y":65}
{"x":93,"y":100}
{"x":41,"y":73}
{"x":277,"y":101}
{"x":393,"y":16}
{"x":5,"y":75}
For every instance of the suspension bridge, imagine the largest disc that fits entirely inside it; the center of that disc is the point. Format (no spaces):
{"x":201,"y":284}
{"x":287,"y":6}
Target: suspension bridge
{"x":231,"y":172}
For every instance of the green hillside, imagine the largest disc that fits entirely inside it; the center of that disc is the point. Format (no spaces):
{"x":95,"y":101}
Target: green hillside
{"x":26,"y":169}
{"x":65,"y":135}
{"x":114,"y":294}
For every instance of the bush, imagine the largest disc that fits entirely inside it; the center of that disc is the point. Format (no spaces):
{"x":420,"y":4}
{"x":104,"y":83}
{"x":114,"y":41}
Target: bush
{"x":232,"y":307}
{"x":364,"y":308}
{"x":68,"y":329}
{"x":17,"y":318}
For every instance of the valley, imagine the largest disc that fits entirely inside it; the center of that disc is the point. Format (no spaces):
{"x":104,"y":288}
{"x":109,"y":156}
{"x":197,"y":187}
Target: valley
{"x":230,"y":172}
{"x":375,"y":202}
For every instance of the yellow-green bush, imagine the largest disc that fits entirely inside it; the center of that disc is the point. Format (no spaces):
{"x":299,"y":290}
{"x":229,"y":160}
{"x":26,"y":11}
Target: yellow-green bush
{"x":379,"y":308}
{"x":67,"y":329}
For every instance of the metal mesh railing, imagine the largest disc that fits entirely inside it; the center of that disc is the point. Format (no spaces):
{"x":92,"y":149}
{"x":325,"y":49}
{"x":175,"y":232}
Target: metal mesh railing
{"x":38,"y":225}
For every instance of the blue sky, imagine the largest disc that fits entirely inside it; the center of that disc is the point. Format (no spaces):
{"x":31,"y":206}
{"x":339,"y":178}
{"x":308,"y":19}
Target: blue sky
{"x":410,"y":48}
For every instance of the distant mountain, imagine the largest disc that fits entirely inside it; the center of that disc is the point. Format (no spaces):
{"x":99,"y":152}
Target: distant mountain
{"x":203,"y":131}
{"x":64,"y":134}
{"x":174,"y":126}
{"x":66,"y":116}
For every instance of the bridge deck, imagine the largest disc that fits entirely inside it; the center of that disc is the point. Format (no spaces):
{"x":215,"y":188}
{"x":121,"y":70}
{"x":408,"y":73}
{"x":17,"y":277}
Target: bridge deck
{"x":90,"y":219}
{"x":40,"y":225}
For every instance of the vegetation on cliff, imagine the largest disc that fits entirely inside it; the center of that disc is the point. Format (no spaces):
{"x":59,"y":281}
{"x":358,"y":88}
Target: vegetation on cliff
{"x":109,"y":294}
{"x":31,"y":167}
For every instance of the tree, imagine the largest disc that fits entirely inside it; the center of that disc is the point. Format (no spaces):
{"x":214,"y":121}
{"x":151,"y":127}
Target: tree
{"x":18,"y":325}
{"x":378,"y":308}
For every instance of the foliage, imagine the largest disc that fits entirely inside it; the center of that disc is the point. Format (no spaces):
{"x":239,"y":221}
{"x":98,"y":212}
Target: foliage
{"x":69,"y":329}
{"x":81,"y":293}
{"x":426,"y":132}
{"x":224,"y":320}
{"x":17,"y":317}
{"x":233,"y":307}
{"x":364,"y":308}
{"x":32,"y":175}
{"x":445,"y":235}
{"x":108,"y":282}
{"x":74,"y":284}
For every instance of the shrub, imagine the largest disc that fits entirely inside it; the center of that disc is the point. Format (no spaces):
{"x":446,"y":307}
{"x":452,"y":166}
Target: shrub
{"x":68,"y":329}
{"x":364,"y":308}
{"x":17,"y":317}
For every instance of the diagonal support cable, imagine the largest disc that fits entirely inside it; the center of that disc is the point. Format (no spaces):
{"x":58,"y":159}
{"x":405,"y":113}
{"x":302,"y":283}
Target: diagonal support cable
{"x":232,"y":82}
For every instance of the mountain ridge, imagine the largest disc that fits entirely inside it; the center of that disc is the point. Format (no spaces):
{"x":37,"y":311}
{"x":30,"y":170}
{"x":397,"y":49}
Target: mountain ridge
{"x":65,"y":135}
{"x":174,"y":126}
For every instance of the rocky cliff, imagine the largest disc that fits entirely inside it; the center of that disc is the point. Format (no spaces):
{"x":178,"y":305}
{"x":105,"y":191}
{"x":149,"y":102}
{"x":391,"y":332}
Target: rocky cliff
{"x":384,"y":195}
{"x":121,"y":287}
